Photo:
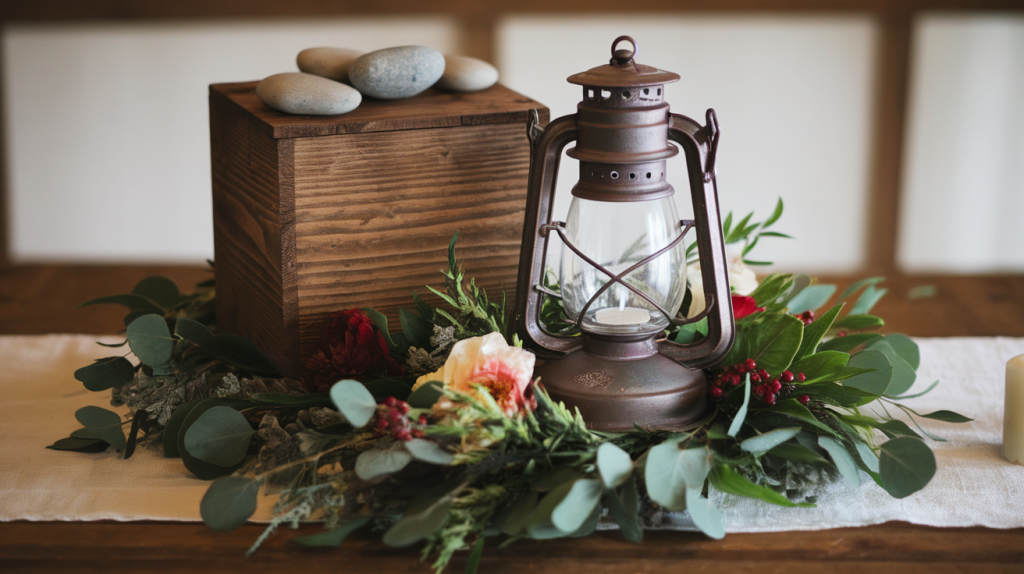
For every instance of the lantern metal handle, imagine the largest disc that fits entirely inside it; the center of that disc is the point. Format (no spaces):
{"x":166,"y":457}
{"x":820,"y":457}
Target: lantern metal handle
{"x":700,"y":144}
{"x":545,"y":153}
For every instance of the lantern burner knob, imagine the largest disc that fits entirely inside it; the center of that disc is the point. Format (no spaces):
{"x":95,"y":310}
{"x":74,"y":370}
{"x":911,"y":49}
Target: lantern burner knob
{"x":623,"y":57}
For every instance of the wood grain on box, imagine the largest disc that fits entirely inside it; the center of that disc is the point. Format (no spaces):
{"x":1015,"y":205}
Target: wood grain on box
{"x":317,"y":214}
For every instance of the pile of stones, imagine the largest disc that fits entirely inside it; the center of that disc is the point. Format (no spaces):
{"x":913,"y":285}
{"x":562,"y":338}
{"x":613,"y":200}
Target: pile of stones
{"x":334,"y":80}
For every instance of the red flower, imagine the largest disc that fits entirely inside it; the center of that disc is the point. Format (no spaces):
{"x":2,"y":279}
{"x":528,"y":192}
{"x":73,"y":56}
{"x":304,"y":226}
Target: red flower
{"x":743,"y":306}
{"x":350,"y":346}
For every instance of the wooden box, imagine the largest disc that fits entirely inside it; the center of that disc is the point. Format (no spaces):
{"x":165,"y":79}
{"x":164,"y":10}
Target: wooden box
{"x":316,"y":214}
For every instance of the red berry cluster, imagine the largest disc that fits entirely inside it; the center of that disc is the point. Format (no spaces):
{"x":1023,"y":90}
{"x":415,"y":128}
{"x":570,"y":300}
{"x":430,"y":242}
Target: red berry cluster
{"x":393,"y":419}
{"x":768,"y":388}
{"x":807,"y":317}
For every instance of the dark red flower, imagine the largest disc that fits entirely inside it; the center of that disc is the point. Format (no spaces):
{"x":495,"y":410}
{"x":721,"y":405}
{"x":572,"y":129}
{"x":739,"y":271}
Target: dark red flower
{"x":743,"y":306}
{"x":350,"y":346}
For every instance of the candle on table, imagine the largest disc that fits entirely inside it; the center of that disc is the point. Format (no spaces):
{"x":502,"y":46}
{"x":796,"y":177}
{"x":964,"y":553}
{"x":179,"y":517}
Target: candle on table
{"x":622,"y":316}
{"x":1013,"y":413}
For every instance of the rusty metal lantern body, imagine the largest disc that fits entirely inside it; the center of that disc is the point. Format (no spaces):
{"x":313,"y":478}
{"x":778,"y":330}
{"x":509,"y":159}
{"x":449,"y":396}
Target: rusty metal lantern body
{"x":619,"y":371}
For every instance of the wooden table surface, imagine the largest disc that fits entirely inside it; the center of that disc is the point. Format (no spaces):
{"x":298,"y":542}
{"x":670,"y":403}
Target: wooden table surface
{"x":41,"y":299}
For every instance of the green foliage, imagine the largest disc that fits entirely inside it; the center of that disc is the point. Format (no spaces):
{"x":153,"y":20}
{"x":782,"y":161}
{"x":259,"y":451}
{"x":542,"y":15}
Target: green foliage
{"x":473,"y":313}
{"x":102,"y":424}
{"x":353,"y":401}
{"x":425,"y":396}
{"x":150,"y":340}
{"x":747,"y":231}
{"x":383,"y":461}
{"x":670,"y":471}
{"x":613,"y":464}
{"x":905,"y":465}
{"x":335,"y":536}
{"x":229,"y":502}
{"x":220,"y":436}
{"x":201,"y":468}
{"x":112,"y":372}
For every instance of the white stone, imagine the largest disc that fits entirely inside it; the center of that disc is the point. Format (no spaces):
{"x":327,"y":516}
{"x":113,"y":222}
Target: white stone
{"x":299,"y":93}
{"x":331,"y":63}
{"x":395,"y":73}
{"x":465,"y":74}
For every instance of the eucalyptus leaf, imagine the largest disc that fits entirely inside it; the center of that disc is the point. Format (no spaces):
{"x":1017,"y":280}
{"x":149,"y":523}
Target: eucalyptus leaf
{"x":132,"y":302}
{"x":427,"y":451}
{"x":764,"y":442}
{"x":112,"y":372}
{"x":150,"y":340}
{"x":354,"y":402}
{"x":426,"y":395}
{"x":811,"y":298}
{"x":896,"y":428}
{"x":875,"y":382}
{"x":231,"y":349}
{"x":671,"y":470}
{"x":83,"y":433}
{"x":170,"y":434}
{"x":727,"y":480}
{"x":905,"y":465}
{"x":160,"y":290}
{"x":903,"y":375}
{"x":229,"y":502}
{"x":624,"y":509}
{"x":103,"y":424}
{"x":906,"y":348}
{"x":867,"y":300}
{"x":578,"y":505}
{"x":379,"y":462}
{"x":867,"y":456}
{"x":201,"y":468}
{"x":705,"y":514}
{"x":333,"y":537}
{"x":89,"y":445}
{"x":554,"y":478}
{"x":613,"y":464}
{"x":741,"y":414}
{"x":814,"y":332}
{"x":220,"y":436}
{"x":513,"y":518}
{"x":842,"y":459}
{"x":538,"y":524}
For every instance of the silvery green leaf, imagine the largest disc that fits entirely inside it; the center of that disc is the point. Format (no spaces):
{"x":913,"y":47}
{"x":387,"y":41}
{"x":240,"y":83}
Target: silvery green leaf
{"x":670,"y":470}
{"x":577,"y":506}
{"x":229,"y":502}
{"x":841,"y":457}
{"x":373,"y":463}
{"x":705,"y":514}
{"x":354,"y":402}
{"x":428,"y":451}
{"x":613,"y":464}
{"x":769,"y":440}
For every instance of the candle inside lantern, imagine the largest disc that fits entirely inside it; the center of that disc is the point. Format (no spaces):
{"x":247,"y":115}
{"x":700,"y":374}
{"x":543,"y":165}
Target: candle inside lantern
{"x":1013,"y":411}
{"x":622,"y":316}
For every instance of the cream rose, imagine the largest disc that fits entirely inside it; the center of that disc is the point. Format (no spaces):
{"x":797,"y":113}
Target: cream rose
{"x":489,"y":362}
{"x":742,"y":279}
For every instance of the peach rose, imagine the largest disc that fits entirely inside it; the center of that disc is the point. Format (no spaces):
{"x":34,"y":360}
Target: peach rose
{"x":491,"y":363}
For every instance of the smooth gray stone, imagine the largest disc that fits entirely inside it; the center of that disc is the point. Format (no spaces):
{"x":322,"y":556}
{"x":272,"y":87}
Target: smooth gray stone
{"x":298,"y":93}
{"x":395,"y":73}
{"x":465,"y":74}
{"x":332,"y":63}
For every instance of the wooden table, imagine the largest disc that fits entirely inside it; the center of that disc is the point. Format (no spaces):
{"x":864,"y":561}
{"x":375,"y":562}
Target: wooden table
{"x":41,"y":299}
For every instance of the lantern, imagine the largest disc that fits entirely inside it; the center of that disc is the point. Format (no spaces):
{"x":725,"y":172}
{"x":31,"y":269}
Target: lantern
{"x":622,"y":277}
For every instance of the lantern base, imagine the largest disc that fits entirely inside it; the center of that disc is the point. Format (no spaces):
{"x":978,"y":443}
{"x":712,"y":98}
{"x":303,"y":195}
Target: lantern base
{"x":619,"y":392}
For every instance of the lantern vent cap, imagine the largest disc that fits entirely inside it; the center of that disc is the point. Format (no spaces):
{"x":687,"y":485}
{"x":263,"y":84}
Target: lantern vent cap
{"x":623,"y":72}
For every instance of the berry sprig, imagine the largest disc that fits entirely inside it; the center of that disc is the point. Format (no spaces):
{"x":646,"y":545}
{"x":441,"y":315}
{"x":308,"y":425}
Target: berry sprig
{"x":807,"y":317}
{"x":768,"y":388}
{"x":393,"y":419}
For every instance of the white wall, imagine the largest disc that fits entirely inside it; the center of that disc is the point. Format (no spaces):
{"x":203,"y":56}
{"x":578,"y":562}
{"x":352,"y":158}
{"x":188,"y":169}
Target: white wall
{"x":963,"y":186}
{"x":793,"y":98}
{"x":108,"y":144}
{"x":108,"y":129}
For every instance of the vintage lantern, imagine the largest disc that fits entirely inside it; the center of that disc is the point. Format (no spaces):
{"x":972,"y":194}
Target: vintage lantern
{"x":622,"y":277}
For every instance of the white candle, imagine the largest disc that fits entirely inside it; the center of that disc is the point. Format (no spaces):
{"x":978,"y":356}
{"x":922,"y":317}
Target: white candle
{"x":623,"y":316}
{"x":1013,"y":411}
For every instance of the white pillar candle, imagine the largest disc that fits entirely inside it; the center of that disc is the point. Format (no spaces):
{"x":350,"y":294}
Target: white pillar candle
{"x":1013,"y":411}
{"x":624,"y":316}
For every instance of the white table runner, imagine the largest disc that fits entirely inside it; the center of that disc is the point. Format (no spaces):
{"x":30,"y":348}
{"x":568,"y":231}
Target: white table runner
{"x":974,"y":485}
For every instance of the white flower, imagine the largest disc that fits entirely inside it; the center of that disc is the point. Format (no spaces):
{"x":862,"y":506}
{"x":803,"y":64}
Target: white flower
{"x":742,"y":279}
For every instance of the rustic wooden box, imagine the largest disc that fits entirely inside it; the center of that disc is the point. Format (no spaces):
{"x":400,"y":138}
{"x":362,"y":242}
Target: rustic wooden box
{"x":317,"y":214}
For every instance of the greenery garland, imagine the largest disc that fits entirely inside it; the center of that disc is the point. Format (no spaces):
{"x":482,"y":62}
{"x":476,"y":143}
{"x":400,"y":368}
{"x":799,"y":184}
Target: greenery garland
{"x":452,"y":464}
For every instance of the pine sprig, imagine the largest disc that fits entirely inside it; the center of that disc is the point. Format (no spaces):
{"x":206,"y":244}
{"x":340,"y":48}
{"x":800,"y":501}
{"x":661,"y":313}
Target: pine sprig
{"x":472,"y":314}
